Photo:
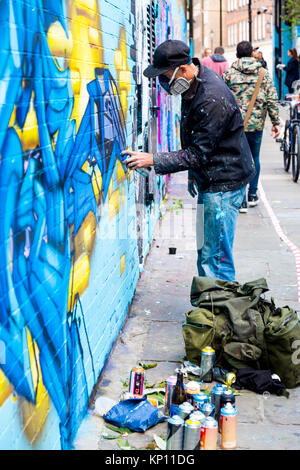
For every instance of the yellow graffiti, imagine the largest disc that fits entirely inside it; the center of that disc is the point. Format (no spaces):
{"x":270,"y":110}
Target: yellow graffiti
{"x":79,"y":278}
{"x":114,"y":204}
{"x":122,"y":264}
{"x":59,"y":44}
{"x":97,"y":185}
{"x":121,"y":175}
{"x":85,"y":237}
{"x":6,"y":388}
{"x":87,"y":43}
{"x":34,"y":415}
{"x":29,"y":134}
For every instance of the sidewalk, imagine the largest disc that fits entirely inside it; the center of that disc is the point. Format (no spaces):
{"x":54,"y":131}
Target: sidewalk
{"x":152,"y":332}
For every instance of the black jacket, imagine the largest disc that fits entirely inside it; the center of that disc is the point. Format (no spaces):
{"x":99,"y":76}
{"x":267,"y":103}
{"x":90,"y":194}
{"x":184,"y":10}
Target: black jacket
{"x":214,"y":146}
{"x":292,"y":72}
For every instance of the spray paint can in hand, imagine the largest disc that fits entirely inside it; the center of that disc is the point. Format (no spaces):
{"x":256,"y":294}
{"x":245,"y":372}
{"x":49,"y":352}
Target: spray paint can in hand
{"x":175,"y":433}
{"x":209,"y":434}
{"x":228,"y":426}
{"x":192,"y":431}
{"x":207,"y":364}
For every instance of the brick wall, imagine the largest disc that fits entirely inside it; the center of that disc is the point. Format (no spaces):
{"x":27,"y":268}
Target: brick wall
{"x":75,"y":225}
{"x":237,"y":27}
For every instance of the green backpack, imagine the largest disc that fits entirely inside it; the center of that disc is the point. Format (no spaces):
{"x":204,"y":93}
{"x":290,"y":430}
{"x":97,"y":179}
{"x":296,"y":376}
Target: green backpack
{"x":245,"y":330}
{"x":282,"y":336}
{"x":202,"y":329}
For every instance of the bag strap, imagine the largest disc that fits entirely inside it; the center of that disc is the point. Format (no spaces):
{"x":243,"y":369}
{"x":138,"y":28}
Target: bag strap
{"x":254,"y":96}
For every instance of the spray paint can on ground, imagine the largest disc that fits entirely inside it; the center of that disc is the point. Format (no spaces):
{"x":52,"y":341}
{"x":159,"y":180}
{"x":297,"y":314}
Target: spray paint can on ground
{"x":199,"y":400}
{"x":169,"y":389}
{"x":228,"y":426}
{"x":136,"y":382}
{"x":227,"y":397}
{"x":208,"y":409}
{"x":192,"y":431}
{"x":230,"y":378}
{"x":209,"y":434}
{"x":175,"y":433}
{"x":192,"y":389}
{"x":185,"y":410}
{"x":216,"y":394}
{"x":207,"y":363}
{"x":198,"y":416}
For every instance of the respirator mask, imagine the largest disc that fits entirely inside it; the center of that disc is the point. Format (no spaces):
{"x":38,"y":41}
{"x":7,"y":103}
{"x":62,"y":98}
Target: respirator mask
{"x":175,"y":87}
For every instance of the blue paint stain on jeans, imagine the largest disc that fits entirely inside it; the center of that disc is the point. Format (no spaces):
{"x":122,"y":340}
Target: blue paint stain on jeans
{"x":221,"y":210}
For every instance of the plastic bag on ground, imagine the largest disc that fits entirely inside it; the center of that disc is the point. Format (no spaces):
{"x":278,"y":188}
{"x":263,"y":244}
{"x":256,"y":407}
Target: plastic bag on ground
{"x":103,"y":405}
{"x":138,"y":415}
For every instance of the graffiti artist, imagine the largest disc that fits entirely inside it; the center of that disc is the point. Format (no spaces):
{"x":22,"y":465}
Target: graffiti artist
{"x":214,"y":150}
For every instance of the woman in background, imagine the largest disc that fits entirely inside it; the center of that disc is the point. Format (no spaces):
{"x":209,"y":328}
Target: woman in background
{"x":292,"y":69}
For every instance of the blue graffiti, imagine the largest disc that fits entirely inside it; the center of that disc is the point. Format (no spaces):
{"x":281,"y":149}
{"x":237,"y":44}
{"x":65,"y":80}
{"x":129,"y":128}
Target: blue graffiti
{"x":43,"y":192}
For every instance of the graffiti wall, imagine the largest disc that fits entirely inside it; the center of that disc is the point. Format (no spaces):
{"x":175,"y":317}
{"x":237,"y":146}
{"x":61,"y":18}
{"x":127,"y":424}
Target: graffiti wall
{"x":75,"y":224}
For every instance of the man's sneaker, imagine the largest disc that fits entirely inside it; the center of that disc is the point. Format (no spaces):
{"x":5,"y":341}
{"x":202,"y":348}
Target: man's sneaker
{"x":253,"y":201}
{"x":244,"y":208}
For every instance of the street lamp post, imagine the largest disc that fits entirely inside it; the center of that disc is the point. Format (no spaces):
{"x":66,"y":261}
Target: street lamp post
{"x":221,"y":23}
{"x":250,"y":20}
{"x":212,"y":34}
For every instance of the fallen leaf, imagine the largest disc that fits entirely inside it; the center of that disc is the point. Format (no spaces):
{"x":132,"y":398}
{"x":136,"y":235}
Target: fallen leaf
{"x":109,"y":436}
{"x":148,"y":366}
{"x":151,"y":446}
{"x":125,"y":446}
{"x":161,"y":444}
{"x":118,"y":430}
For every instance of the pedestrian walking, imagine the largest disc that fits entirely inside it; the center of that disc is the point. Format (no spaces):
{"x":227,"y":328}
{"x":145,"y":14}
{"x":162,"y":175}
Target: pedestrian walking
{"x":256,"y":96}
{"x":291,"y":69}
{"x":216,"y":61}
{"x":207,"y":52}
{"x":214,"y":150}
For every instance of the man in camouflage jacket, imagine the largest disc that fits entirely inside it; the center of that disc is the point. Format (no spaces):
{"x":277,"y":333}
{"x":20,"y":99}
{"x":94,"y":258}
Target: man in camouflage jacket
{"x":241,"y":78}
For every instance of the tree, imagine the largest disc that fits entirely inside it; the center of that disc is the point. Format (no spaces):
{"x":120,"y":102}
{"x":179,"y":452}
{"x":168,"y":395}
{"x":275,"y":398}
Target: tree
{"x":291,"y":14}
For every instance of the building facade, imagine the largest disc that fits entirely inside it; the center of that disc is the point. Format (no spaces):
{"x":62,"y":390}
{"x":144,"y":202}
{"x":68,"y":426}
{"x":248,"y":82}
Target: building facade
{"x":75,"y":224}
{"x":209,"y":25}
{"x":238,"y":29}
{"x":285,"y":38}
{"x":226,"y":22}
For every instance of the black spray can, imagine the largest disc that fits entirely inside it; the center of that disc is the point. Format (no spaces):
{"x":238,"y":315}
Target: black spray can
{"x":227,"y":397}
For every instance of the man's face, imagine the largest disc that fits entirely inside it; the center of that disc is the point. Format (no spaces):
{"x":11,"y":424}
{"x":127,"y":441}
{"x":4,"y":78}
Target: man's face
{"x":185,"y":71}
{"x":169,"y":73}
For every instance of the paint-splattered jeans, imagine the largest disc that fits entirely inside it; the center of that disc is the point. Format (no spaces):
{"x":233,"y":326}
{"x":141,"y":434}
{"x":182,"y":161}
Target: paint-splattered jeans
{"x":216,"y":225}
